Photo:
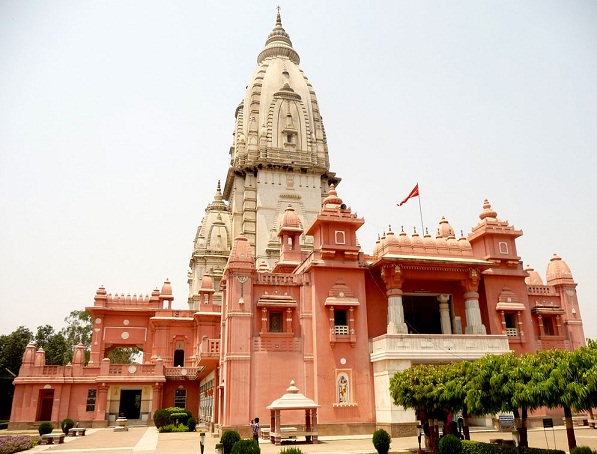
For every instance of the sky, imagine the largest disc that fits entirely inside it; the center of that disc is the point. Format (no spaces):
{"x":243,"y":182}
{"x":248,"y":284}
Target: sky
{"x":116,"y":119}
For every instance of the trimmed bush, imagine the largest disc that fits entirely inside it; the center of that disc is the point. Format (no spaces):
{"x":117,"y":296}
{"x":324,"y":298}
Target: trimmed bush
{"x":477,"y":447}
{"x":581,"y":450}
{"x":161,"y":417}
{"x":291,"y":451}
{"x":450,"y":444}
{"x":192,"y":423}
{"x":45,"y":428}
{"x":246,"y":447}
{"x":228,"y":439}
{"x":66,"y":425}
{"x":381,"y":441}
{"x":181,"y":417}
{"x":173,"y":428}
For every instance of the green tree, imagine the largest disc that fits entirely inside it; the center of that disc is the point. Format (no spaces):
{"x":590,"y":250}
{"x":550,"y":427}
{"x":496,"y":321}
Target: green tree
{"x":416,"y":388}
{"x":123,"y":355}
{"x":453,"y":390}
{"x":12,"y":347}
{"x":78,"y":330}
{"x":54,"y":344}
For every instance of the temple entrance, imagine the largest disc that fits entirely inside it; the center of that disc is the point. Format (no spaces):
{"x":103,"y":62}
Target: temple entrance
{"x":421,"y":314}
{"x":45,"y":403}
{"x":130,"y":403}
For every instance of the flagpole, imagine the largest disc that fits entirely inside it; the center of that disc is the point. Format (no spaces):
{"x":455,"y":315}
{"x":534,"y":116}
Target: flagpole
{"x":421,"y":213}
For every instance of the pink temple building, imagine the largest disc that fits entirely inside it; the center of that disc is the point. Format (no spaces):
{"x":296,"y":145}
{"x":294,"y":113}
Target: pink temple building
{"x":280,"y":290}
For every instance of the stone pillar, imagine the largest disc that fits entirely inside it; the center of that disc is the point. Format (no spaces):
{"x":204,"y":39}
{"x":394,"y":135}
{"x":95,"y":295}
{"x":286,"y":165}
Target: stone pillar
{"x":278,"y":427}
{"x":473,"y":314}
{"x":156,"y":397}
{"x":102,"y":400}
{"x":314,"y":424}
{"x":444,"y":313}
{"x":396,"y":323}
{"x":392,"y":277}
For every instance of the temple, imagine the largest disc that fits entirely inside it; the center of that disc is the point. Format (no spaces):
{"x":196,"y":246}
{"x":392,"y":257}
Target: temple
{"x":280,"y":291}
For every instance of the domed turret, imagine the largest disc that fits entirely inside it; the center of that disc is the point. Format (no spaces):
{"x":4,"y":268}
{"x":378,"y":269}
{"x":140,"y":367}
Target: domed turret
{"x":487,"y":211}
{"x":558,"y":270}
{"x":533,"y":278}
{"x":445,"y":230}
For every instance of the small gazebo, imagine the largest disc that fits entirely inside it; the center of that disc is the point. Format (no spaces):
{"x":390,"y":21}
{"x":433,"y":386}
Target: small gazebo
{"x":293,"y":400}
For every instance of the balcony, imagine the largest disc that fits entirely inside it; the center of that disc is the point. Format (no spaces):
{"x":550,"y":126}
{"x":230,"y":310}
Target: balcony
{"x":425,"y":348}
{"x":182,"y":373}
{"x":209,"y":352}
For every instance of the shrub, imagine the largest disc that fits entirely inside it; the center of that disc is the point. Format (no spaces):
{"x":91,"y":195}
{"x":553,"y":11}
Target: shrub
{"x":450,"y":444}
{"x":45,"y":428}
{"x":246,"y":447}
{"x":228,"y":439}
{"x":67,"y":424}
{"x":192,"y":423}
{"x":381,"y":441}
{"x":180,"y":417}
{"x":291,"y":451}
{"x":173,"y":428}
{"x":161,"y":417}
{"x":581,"y":450}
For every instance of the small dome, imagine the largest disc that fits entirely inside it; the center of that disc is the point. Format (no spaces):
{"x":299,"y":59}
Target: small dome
{"x":290,"y":218}
{"x":487,"y":211}
{"x":392,"y":241}
{"x":166,"y":288}
{"x":404,"y":240}
{"x":445,"y":230}
{"x":332,"y":199}
{"x":207,"y":283}
{"x":558,"y":269}
{"x":533,"y":277}
{"x":417,"y":241}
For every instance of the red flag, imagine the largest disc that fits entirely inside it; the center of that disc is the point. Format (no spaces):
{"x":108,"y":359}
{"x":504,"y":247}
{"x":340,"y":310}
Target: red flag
{"x":413,"y":193}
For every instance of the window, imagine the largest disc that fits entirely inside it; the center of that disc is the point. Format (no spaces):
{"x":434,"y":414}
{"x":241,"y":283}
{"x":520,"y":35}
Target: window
{"x":511,"y":325}
{"x":275,"y":322}
{"x":178,"y":358}
{"x":180,"y":398}
{"x":548,"y":326}
{"x":91,"y":395}
{"x":341,"y":321}
{"x":503,"y":247}
{"x":340,"y":237}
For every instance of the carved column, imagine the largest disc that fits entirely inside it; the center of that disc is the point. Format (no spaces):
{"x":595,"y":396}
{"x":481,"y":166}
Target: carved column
{"x":444,"y":313}
{"x":474,"y":325}
{"x":392,"y":277}
{"x":102,"y":399}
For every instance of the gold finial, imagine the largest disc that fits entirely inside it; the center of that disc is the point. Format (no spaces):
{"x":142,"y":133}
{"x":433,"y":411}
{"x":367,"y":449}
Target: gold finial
{"x":278,"y":18}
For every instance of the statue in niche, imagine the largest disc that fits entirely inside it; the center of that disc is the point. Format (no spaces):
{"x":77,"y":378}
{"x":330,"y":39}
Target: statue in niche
{"x":342,"y":390}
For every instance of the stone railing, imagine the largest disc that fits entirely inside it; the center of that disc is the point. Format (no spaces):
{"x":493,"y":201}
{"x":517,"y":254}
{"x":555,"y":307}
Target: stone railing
{"x":541,"y":290}
{"x":278,"y":279}
{"x":182,"y":373}
{"x":435,"y":347}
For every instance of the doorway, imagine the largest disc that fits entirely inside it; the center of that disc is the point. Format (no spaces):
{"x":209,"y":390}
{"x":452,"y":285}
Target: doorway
{"x":45,"y":404}
{"x":130,"y":403}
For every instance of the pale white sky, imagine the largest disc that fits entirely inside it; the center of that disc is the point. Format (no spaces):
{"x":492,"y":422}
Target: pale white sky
{"x":116,"y":118}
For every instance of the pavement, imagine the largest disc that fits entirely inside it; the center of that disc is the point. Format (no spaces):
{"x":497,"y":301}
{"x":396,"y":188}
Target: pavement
{"x":148,"y":440}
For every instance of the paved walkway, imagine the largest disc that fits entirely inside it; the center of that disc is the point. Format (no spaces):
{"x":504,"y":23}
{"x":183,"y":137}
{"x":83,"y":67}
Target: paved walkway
{"x":147,"y":440}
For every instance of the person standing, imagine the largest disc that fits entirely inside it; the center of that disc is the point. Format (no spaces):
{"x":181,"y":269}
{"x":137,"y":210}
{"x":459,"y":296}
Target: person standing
{"x":255,"y":427}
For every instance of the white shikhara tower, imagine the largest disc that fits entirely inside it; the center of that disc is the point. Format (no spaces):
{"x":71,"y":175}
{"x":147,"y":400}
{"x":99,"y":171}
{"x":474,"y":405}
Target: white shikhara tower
{"x":279,"y":157}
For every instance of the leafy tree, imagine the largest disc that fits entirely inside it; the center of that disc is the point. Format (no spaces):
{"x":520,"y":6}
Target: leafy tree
{"x":123,"y":355}
{"x":453,"y":393}
{"x":78,"y":330}
{"x":12,"y":347}
{"x":54,"y":345}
